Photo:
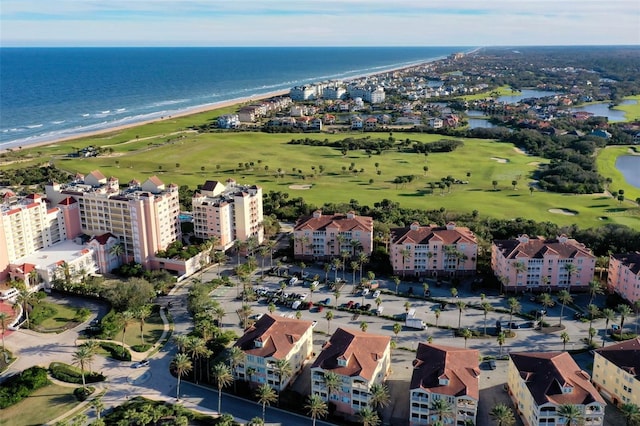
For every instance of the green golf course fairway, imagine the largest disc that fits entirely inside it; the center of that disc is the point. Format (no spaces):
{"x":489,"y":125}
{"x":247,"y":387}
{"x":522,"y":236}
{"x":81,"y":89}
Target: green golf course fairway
{"x":189,"y":158}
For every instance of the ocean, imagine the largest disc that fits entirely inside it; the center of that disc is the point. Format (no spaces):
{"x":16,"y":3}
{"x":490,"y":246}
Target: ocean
{"x":50,"y":93}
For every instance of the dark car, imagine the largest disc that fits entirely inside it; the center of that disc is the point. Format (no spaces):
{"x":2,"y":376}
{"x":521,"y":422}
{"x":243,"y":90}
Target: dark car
{"x":492,"y":364}
{"x":577,"y":315}
{"x":356,"y":306}
{"x":513,"y":325}
{"x":367,"y":307}
{"x":327,"y":301}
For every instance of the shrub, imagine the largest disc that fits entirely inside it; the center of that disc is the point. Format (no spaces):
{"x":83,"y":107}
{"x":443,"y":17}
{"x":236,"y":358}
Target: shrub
{"x":141,"y":348}
{"x":41,"y":312}
{"x":20,"y":386}
{"x":82,"y":394}
{"x":624,"y":336}
{"x":116,"y":351}
{"x":70,"y":374}
{"x":82,"y":314}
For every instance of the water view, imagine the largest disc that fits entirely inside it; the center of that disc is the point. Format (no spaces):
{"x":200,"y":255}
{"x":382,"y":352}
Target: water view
{"x":525,"y":94}
{"x":603,"y":110}
{"x":629,"y":166}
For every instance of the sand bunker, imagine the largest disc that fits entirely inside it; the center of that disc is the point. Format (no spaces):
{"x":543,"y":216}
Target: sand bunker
{"x":519,"y":151}
{"x":300,"y":186}
{"x":500,"y":160}
{"x":533,"y":163}
{"x":566,"y":212}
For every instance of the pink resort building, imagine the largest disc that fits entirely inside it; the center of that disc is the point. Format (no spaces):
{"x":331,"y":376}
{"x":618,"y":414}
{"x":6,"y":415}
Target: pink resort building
{"x":325,"y":236}
{"x":538,"y":264}
{"x":228,"y":212}
{"x":624,"y":275}
{"x":359,"y":360}
{"x":270,"y":340}
{"x":433,"y":250}
{"x":447,"y":373}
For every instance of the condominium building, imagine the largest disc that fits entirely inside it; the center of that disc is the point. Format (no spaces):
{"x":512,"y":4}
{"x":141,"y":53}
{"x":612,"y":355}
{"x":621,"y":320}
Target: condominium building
{"x":444,"y":373}
{"x":540,"y":382}
{"x":360,"y":360}
{"x":624,"y":275}
{"x":433,"y":250}
{"x":616,"y":372}
{"x":144,"y":217}
{"x":536,"y":264}
{"x":28,"y":225}
{"x":269,"y":341}
{"x":228,"y":213}
{"x":324,"y":236}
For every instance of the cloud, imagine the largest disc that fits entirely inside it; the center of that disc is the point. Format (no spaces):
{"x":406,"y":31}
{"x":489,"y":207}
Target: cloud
{"x":328,"y":22}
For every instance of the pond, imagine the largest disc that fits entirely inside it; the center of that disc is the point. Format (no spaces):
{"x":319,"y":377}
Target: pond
{"x":525,"y":94}
{"x":629,"y":166}
{"x":603,"y":110}
{"x":475,"y":113}
{"x":475,"y":123}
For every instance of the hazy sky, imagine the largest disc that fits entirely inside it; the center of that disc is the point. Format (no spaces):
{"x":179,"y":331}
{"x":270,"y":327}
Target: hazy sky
{"x":318,"y":22}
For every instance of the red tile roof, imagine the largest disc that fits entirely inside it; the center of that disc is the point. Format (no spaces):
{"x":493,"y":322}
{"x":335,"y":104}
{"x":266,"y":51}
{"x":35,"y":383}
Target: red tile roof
{"x":547,"y":373}
{"x":343,"y":222}
{"x":625,"y":355}
{"x":68,"y":201}
{"x":459,"y":365}
{"x":362,"y":352}
{"x":424,"y":234}
{"x":278,"y":336}
{"x":97,"y":174}
{"x":630,"y":260}
{"x":104,"y":238}
{"x":538,"y":247}
{"x":156,"y":180}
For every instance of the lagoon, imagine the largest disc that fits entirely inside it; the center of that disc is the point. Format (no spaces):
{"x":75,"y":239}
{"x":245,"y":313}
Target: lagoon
{"x":629,"y":166}
{"x":603,"y":110}
{"x":525,"y":94}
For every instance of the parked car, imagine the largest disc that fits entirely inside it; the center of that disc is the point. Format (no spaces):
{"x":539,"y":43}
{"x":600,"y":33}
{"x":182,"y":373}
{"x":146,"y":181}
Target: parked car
{"x":313,"y":324}
{"x":492,"y":364}
{"x":365,"y":291}
{"x":320,"y":308}
{"x":296,"y":304}
{"x":139,"y":364}
{"x":357,"y":305}
{"x":367,"y":306}
{"x":327,"y":301}
{"x":376,"y":294}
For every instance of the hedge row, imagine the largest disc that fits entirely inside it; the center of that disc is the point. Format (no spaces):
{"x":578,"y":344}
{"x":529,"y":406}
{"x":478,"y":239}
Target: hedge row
{"x":70,"y":374}
{"x":20,"y":386}
{"x":116,"y":351}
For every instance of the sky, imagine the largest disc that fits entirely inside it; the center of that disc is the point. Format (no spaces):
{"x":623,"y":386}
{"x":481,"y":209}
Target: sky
{"x":318,"y":22}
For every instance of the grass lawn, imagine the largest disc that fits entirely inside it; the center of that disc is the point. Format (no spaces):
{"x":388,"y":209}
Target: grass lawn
{"x":606,"y":163}
{"x":64,"y":314}
{"x":43,"y":405}
{"x":189,"y":159}
{"x":632,"y":112}
{"x":153,"y":328}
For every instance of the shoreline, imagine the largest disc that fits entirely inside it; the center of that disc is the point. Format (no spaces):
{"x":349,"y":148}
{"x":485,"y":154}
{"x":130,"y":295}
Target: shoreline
{"x":205,"y":108}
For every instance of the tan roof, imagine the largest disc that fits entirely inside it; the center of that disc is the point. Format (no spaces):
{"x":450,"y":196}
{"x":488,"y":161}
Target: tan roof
{"x":538,"y":247}
{"x":362,"y":351}
{"x":155,"y":180}
{"x":417,"y":234}
{"x":625,"y":355}
{"x":277,"y":336}
{"x":458,"y":365}
{"x":97,"y":174}
{"x":547,"y":373}
{"x":343,"y":222}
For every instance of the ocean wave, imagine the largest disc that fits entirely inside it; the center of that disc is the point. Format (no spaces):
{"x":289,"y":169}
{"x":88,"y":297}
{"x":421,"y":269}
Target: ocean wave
{"x":86,"y":115}
{"x":34,"y":126}
{"x":121,"y":109}
{"x":170,"y":102}
{"x":58,"y":122}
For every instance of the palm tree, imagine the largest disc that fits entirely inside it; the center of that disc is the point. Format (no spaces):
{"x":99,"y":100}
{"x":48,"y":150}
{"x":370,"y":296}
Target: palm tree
{"x":396,"y":281}
{"x":547,"y":302}
{"x":332,"y":382}
{"x":326,"y":268}
{"x":354,"y":267}
{"x":593,"y":313}
{"x":466,"y":333}
{"x":454,"y":294}
{"x":364,"y":326}
{"x":219,"y":258}
{"x":336,"y":263}
{"x":565,"y":339}
{"x":486,"y":307}
{"x":82,"y":357}
{"x":362,"y":259}
{"x":272,"y":307}
{"x":461,"y":307}
{"x":284,"y":370}
{"x":316,"y":407}
{"x":345,"y":256}
{"x":219,"y":313}
{"x":570,"y":269}
{"x":266,"y":396}
{"x":572,"y":414}
{"x":595,"y":288}
{"x":336,"y":294}
{"x":631,"y":413}
{"x":312,"y":288}
{"x":379,"y":396}
{"x":24,"y":298}
{"x":368,"y":417}
{"x":608,"y":315}
{"x":3,"y":318}
{"x":564,"y":297}
{"x":502,"y":415}
{"x":624,"y":311}
{"x":442,"y":409}
{"x":117,"y":250}
{"x":223,"y":377}
{"x":182,"y":366}
{"x":406,"y":254}
{"x":328,"y":316}
{"x":141,"y":314}
{"x":397,"y":328}
{"x":181,"y":341}
{"x":437,"y":313}
{"x":235,"y":356}
{"x":97,"y":405}
{"x":125,"y":318}
{"x":501,"y":339}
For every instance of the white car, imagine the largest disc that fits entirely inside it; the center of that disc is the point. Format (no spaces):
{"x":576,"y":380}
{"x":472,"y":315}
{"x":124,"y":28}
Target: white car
{"x":376,"y":294}
{"x":365,"y":291}
{"x":313,"y":324}
{"x":143,"y":363}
